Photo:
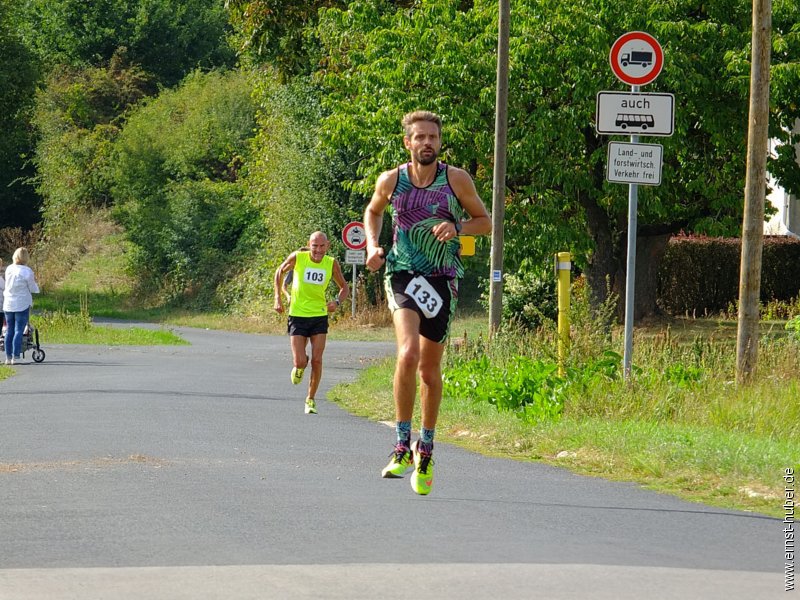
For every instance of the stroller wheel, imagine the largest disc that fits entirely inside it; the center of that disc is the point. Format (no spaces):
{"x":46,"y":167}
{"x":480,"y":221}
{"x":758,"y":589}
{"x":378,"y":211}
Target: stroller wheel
{"x":38,"y":355}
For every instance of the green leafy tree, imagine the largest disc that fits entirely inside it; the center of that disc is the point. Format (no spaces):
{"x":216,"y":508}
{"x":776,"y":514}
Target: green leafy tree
{"x":79,"y":113}
{"x":19,"y":75}
{"x":292,"y":185}
{"x":381,"y":61}
{"x":176,"y":183}
{"x":167,"y":38}
{"x":278,"y":32}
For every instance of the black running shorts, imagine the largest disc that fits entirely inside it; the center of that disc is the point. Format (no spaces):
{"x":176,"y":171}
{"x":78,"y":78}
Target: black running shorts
{"x":308,"y":326}
{"x":434,"y":299}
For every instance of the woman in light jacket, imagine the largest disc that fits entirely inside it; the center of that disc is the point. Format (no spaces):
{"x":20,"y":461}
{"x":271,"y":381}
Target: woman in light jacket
{"x":17,"y":301}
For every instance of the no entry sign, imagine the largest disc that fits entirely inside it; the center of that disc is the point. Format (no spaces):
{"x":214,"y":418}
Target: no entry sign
{"x":354,"y":235}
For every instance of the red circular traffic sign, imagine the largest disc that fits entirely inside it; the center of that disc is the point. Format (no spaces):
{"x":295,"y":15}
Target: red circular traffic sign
{"x":354,"y":235}
{"x":636,"y":58}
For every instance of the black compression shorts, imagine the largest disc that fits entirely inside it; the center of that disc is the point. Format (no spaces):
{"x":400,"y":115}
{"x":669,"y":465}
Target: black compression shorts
{"x":433,"y":298}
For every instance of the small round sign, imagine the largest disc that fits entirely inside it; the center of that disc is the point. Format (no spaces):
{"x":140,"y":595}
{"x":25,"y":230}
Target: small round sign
{"x":636,"y":58}
{"x":354,"y":235}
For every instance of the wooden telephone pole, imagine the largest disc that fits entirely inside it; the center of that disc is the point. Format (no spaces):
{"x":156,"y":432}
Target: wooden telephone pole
{"x":499,"y":183}
{"x":755,"y":189}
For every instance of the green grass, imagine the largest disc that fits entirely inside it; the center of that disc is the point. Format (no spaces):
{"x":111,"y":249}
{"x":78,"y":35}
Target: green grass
{"x":62,"y":327}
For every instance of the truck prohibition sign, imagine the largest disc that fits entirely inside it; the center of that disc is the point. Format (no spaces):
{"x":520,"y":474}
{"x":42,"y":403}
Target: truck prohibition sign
{"x":636,"y":58}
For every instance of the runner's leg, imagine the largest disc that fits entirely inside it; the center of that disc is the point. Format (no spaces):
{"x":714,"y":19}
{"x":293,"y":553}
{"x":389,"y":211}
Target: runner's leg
{"x":406,"y":327}
{"x":317,"y":349}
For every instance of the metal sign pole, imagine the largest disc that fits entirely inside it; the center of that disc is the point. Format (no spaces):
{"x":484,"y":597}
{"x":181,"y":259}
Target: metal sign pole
{"x":353,"y":292}
{"x":630,"y":270}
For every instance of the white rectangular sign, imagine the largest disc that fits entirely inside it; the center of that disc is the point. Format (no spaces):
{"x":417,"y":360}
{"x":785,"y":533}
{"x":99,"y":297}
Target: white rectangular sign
{"x":634,"y":163}
{"x":355,"y":257}
{"x":624,"y":113}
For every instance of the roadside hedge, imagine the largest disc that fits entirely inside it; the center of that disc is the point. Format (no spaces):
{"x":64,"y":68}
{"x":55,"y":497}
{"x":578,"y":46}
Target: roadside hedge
{"x":700,"y":275}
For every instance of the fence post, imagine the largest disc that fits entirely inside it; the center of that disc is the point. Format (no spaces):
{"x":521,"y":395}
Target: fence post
{"x":563,"y":268}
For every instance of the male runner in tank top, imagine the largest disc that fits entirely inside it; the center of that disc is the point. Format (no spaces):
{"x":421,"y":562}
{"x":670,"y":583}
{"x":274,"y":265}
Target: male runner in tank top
{"x":308,"y":307}
{"x":431,"y":203}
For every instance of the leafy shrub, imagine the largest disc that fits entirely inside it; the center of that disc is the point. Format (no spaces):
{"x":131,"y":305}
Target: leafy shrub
{"x":176,"y":183}
{"x":529,"y":299}
{"x":532,"y":388}
{"x":700,"y":275}
{"x":793,"y":327}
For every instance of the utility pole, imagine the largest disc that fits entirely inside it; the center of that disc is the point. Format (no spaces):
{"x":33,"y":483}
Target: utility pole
{"x":755,"y":189}
{"x":499,"y":181}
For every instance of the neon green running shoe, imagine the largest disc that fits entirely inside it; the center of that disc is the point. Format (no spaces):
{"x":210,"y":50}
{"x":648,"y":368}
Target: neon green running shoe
{"x":297,"y":375}
{"x":422,"y":477}
{"x":311,"y":406}
{"x":400,"y":463}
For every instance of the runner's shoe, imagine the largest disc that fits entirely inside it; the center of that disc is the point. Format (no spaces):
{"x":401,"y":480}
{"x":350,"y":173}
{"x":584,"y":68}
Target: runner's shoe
{"x":400,"y":463}
{"x":422,"y":477}
{"x":297,"y":375}
{"x":311,"y":406}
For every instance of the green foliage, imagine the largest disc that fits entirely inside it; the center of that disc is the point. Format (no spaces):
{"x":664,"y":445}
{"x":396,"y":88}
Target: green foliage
{"x":176,"y":183}
{"x":19,"y":74}
{"x":715,"y":261}
{"x":166,"y":38}
{"x":793,"y":326}
{"x":278,"y":32}
{"x":529,"y":299}
{"x":531,"y":388}
{"x":78,"y":116}
{"x":292,"y":186}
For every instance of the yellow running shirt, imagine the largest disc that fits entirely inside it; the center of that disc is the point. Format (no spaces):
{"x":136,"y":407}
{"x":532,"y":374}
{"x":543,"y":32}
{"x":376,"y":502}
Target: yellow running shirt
{"x":309,"y":282}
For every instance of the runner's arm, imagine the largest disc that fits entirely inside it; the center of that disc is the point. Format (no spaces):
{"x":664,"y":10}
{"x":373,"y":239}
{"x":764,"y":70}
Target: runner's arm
{"x":344,"y":289}
{"x":480,"y":223}
{"x":286,"y":266}
{"x":373,"y":218}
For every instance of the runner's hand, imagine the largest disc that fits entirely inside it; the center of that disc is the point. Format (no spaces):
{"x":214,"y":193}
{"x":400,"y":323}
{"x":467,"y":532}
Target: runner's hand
{"x":375,"y":258}
{"x":444,"y":231}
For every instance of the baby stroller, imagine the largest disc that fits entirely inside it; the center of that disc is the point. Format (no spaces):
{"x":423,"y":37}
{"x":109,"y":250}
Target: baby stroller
{"x":30,"y":341}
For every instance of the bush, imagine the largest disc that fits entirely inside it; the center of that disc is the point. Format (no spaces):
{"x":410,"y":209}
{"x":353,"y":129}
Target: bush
{"x":700,"y":275}
{"x":176,"y":183}
{"x":528,"y":299}
{"x":292,"y":188}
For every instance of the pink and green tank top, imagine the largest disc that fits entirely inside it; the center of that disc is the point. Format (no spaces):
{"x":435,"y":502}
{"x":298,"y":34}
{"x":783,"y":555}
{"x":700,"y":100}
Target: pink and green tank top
{"x":415,"y":211}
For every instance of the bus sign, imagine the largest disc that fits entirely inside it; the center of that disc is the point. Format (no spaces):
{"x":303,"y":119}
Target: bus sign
{"x":626,"y":113}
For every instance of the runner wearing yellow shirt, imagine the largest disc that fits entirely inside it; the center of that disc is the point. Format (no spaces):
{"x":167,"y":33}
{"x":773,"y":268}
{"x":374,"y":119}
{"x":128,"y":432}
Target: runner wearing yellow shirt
{"x":312,"y":272}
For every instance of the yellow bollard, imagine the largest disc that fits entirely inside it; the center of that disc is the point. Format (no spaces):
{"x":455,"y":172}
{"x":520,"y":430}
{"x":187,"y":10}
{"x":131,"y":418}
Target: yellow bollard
{"x":563,"y":267}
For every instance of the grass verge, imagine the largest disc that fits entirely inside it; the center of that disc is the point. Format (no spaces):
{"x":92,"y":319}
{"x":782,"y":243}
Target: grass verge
{"x":702,"y":463}
{"x":62,"y":327}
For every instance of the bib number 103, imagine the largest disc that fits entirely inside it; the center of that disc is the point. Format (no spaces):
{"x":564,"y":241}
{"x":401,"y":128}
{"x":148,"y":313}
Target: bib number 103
{"x":314,"y":276}
{"x":427,"y":298}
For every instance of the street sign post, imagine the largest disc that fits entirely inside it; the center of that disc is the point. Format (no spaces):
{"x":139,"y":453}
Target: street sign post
{"x":636,"y":58}
{"x":354,"y":237}
{"x":623,"y":113}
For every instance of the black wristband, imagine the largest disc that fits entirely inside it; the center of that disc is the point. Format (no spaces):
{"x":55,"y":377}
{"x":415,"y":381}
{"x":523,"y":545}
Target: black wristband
{"x":458,"y":228}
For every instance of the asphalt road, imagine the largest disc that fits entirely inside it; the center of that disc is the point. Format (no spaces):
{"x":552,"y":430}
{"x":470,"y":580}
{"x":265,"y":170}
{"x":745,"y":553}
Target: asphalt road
{"x":191,"y":472}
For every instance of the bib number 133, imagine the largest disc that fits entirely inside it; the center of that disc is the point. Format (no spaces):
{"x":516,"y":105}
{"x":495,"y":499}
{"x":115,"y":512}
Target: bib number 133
{"x":428,"y":300}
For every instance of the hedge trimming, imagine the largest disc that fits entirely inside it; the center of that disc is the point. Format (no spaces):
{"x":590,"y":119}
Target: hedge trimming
{"x":700,"y":274}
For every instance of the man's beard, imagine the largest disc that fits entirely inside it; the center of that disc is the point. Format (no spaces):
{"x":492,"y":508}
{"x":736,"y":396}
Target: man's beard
{"x":426,"y":160}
